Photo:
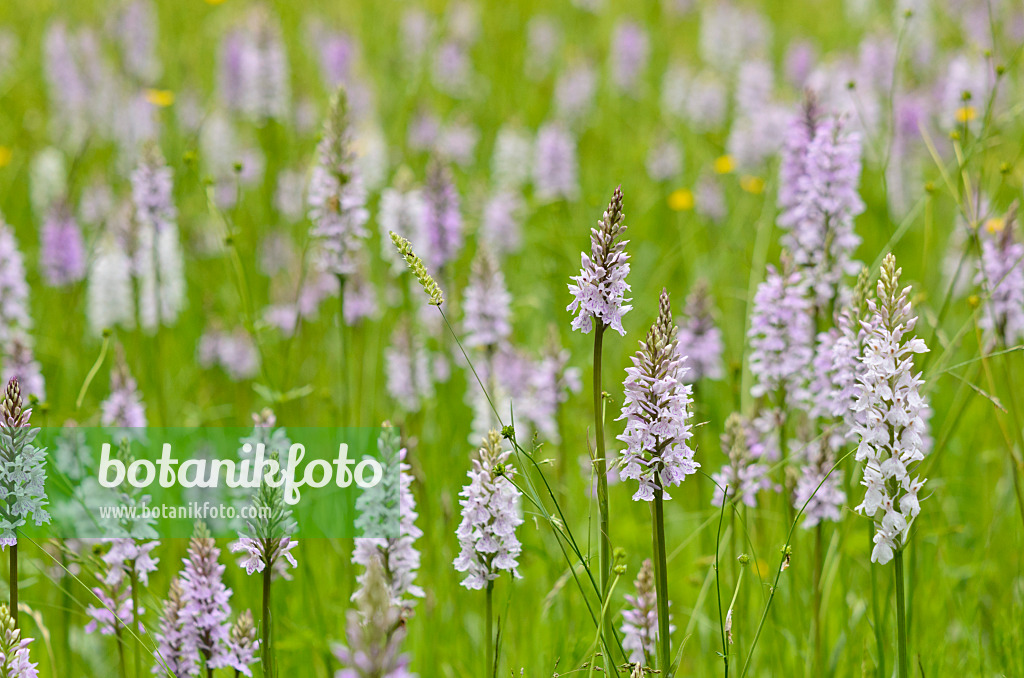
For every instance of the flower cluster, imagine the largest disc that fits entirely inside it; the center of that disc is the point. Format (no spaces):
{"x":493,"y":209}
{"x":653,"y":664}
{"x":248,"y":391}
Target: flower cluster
{"x":630,"y":50}
{"x":555,"y":171}
{"x":242,"y":644}
{"x":19,"y":362}
{"x":1001,"y":276}
{"x":699,"y":339}
{"x":640,"y":619}
{"x":158,"y":260}
{"x":374,"y":632}
{"x":110,"y":295}
{"x":382,"y":507}
{"x":893,"y":428}
{"x":817,"y":488}
{"x":781,"y":337}
{"x":657,"y":409}
{"x":266,"y":541}
{"x":532,"y":388}
{"x":490,"y":516}
{"x":123,"y":408}
{"x":500,"y":222}
{"x":14,"y":309}
{"x":206,"y":600}
{"x":410,"y":377}
{"x":837,"y":365}
{"x":258,"y":552}
{"x":124,"y":561}
{"x":486,"y":304}
{"x":16,"y":355}
{"x":62,"y":251}
{"x":15,"y":661}
{"x":746,"y":474}
{"x":175,"y":649}
{"x":401,"y":211}
{"x":442,"y":218}
{"x":254,"y":68}
{"x":511,"y":159}
{"x":152,"y":192}
{"x":22,"y":467}
{"x":337,"y":199}
{"x":819,"y":200}
{"x":600,"y":288}
{"x":233,"y":351}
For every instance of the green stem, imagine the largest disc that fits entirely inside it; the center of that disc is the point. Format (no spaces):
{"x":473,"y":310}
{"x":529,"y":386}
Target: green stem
{"x":135,"y":611}
{"x":601,"y":469}
{"x":818,"y":565}
{"x":65,"y":597}
{"x":342,"y":364}
{"x":876,"y":612}
{"x":266,"y":653}
{"x":901,"y":617}
{"x":14,"y":583}
{"x":491,"y":664}
{"x":1016,"y":467}
{"x":718,"y":580}
{"x":784,"y":456}
{"x":661,"y":581}
{"x":120,"y":649}
{"x":93,"y":371}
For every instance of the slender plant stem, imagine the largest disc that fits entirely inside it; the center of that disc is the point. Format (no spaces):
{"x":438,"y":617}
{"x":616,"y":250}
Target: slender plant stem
{"x":266,"y":652}
{"x":14,"y":584}
{"x":93,"y":371}
{"x":901,"y":617}
{"x":120,"y":649}
{"x":718,"y":580}
{"x":784,"y":456}
{"x":342,"y":362}
{"x":661,"y":581}
{"x":601,"y":469}
{"x":65,"y":599}
{"x":876,"y":612}
{"x":491,"y":662}
{"x":818,"y":565}
{"x":1016,"y":468}
{"x":134,"y":579}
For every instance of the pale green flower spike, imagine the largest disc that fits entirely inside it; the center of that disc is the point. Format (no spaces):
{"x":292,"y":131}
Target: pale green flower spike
{"x":430,"y":286}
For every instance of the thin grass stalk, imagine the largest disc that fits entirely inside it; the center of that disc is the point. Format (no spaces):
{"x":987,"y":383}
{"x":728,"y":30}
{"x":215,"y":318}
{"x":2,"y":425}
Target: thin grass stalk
{"x":65,"y":604}
{"x":901,"y":617}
